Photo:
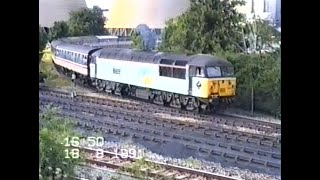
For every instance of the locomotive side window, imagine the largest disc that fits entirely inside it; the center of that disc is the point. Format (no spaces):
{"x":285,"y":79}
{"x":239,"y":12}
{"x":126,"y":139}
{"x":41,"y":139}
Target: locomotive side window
{"x":165,"y":71}
{"x":196,"y":71}
{"x":192,"y":71}
{"x":179,"y":73}
{"x":199,"y":72}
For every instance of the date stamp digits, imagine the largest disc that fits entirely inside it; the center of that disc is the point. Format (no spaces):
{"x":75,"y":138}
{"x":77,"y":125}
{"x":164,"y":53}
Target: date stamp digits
{"x":122,"y":153}
{"x":73,"y":144}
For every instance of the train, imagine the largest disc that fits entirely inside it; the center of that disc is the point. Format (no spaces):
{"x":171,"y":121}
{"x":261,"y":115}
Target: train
{"x":198,"y":82}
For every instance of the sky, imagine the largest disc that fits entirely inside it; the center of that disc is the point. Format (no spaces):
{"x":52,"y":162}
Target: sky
{"x":103,"y":4}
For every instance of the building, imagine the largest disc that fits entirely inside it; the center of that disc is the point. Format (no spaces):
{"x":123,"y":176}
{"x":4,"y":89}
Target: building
{"x":265,"y":9}
{"x":57,"y":10}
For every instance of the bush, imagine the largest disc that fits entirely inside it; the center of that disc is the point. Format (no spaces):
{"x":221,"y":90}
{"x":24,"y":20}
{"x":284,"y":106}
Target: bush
{"x":262,"y":73}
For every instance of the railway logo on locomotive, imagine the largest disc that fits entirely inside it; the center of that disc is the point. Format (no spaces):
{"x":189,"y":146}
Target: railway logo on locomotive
{"x":198,"y":84}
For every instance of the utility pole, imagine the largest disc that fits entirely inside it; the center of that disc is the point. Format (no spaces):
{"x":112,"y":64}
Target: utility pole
{"x":73,"y":78}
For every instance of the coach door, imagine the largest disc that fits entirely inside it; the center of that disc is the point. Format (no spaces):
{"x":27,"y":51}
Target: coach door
{"x":93,"y":69}
{"x":196,"y":74}
{"x":192,"y":73}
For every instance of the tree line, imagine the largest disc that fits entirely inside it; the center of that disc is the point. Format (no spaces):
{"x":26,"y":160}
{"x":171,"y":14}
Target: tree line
{"x":84,"y":22}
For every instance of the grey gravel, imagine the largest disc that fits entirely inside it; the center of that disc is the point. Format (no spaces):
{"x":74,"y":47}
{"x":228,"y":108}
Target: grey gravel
{"x":189,"y":162}
{"x":93,"y":173}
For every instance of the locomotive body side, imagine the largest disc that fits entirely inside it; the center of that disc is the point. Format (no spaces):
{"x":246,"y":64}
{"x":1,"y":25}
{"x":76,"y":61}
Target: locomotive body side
{"x":143,"y":74}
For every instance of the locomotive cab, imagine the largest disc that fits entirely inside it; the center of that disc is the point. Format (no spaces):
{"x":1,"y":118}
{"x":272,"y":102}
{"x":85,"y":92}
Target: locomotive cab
{"x":211,"y":78}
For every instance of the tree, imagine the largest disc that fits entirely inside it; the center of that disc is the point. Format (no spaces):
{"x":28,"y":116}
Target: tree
{"x":87,"y":22}
{"x":43,"y":38}
{"x":258,"y":34}
{"x":207,"y":26}
{"x":52,"y":149}
{"x":262,"y":73}
{"x":60,"y":29}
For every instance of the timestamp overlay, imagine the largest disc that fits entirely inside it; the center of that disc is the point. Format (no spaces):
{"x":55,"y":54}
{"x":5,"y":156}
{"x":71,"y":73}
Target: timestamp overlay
{"x":73,"y":148}
{"x":73,"y":144}
{"x":122,"y":152}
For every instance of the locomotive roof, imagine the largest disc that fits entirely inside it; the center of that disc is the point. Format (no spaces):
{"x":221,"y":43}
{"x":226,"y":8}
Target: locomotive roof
{"x":207,"y":60}
{"x":160,"y":57}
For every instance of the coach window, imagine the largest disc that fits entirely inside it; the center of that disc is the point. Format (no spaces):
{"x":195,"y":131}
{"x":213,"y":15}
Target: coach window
{"x":84,"y":60}
{"x":77,"y":58}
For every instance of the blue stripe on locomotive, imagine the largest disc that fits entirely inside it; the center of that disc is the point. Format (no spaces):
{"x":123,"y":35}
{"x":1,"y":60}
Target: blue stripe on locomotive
{"x":138,"y":74}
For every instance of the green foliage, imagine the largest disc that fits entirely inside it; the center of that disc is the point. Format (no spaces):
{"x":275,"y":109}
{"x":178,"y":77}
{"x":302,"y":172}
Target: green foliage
{"x":43,"y":39}
{"x":86,"y":22}
{"x":53,"y":131}
{"x":136,"y":41}
{"x":262,"y":72}
{"x":208,"y":26}
{"x":52,"y":77}
{"x":60,"y":29}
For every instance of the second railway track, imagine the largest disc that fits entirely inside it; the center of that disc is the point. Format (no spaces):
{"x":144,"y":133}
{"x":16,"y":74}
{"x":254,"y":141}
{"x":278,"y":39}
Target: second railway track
{"x":120,"y":112}
{"x":162,"y":171}
{"x":269,"y":128}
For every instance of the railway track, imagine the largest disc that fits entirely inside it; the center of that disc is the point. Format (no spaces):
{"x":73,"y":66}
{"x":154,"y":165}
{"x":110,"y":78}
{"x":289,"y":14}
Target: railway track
{"x":159,"y":170}
{"x":114,"y":124}
{"x":160,"y":123}
{"x":266,"y":127}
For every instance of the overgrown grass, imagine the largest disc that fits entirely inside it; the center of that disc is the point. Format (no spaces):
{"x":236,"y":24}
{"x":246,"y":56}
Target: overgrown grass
{"x":142,"y":170}
{"x":53,"y":79}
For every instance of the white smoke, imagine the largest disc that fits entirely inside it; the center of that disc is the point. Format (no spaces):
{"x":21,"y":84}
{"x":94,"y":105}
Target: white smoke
{"x":148,"y":37}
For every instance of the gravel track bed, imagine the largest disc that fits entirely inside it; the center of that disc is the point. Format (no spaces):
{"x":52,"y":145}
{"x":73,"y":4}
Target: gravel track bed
{"x":256,"y":116}
{"x":92,"y":173}
{"x":272,"y":128}
{"x":178,"y":120}
{"x":214,"y":149}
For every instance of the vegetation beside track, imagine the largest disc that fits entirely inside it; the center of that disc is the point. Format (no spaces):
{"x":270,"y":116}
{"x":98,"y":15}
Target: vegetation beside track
{"x":48,"y":71}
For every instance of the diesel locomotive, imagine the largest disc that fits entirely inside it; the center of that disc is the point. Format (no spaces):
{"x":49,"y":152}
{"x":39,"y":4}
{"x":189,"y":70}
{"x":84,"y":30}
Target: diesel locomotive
{"x":195,"y":82}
